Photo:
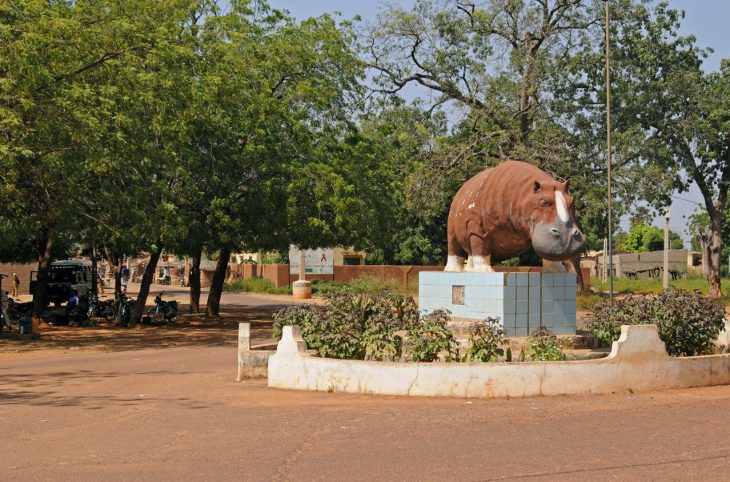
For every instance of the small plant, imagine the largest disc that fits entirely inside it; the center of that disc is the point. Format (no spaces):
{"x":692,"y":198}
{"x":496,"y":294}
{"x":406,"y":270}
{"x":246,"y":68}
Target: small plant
{"x":431,"y":336}
{"x":486,"y":341}
{"x":544,"y":346}
{"x":688,"y":323}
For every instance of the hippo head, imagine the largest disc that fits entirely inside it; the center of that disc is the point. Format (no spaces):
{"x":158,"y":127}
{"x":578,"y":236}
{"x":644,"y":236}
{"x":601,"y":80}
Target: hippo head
{"x":555,"y":234}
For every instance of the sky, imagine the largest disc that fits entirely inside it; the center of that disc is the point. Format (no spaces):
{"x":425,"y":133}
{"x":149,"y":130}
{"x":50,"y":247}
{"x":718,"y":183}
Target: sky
{"x":705,"y":19}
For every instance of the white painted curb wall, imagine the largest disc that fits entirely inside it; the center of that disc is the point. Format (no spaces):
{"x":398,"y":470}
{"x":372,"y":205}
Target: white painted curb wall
{"x":637,"y":362}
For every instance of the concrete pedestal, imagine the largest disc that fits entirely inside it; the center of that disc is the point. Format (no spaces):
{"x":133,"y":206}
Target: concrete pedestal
{"x":523,"y":301}
{"x":302,"y":290}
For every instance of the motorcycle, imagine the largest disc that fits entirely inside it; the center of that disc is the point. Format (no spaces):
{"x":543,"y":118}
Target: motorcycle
{"x":164,"y":311}
{"x":123,"y":309}
{"x":100,"y":309}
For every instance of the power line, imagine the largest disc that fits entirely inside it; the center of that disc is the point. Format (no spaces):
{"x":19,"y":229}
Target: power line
{"x":687,"y":200}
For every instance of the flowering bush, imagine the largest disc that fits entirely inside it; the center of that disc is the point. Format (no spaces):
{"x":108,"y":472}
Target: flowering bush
{"x":544,"y":346}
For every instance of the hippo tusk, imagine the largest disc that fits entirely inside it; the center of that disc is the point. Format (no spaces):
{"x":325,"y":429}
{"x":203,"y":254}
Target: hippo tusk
{"x":562,"y":207}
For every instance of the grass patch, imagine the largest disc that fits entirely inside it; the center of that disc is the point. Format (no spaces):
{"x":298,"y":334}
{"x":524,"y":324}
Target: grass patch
{"x":255,"y":285}
{"x":365,"y":284}
{"x":654,"y":285}
{"x":585,"y":301}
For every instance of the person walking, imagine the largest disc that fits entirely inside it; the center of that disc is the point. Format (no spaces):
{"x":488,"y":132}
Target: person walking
{"x":16,"y":285}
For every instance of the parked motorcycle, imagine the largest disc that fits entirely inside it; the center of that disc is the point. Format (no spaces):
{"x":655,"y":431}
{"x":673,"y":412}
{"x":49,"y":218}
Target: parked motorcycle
{"x":100,"y":309}
{"x":164,"y":311}
{"x":123,"y":307}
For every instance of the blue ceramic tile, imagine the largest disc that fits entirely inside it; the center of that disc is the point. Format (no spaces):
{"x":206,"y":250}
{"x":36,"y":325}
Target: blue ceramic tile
{"x":522,"y":293}
{"x":534,"y":293}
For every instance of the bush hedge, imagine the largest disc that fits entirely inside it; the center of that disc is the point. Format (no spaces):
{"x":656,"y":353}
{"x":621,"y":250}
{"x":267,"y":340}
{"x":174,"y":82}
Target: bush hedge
{"x":688,"y":322}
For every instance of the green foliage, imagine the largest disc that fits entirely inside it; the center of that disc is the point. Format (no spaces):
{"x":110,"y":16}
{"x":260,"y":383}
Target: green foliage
{"x":643,"y":238}
{"x":431,"y":336}
{"x":687,"y":322}
{"x":544,"y":346}
{"x":586,"y":301}
{"x":654,"y":285}
{"x":255,"y":285}
{"x":361,"y":285}
{"x":355,"y":326}
{"x":486,"y":341}
{"x":372,"y":327}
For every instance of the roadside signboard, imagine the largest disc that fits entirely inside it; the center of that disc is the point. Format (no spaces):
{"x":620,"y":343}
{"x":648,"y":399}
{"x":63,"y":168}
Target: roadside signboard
{"x":317,"y":261}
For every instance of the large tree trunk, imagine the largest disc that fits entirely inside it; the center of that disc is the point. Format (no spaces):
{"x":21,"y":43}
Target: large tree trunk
{"x":144,"y":287}
{"x":216,"y":286}
{"x":116,"y":263}
{"x":705,"y":250}
{"x":40,"y":294}
{"x":194,"y":281}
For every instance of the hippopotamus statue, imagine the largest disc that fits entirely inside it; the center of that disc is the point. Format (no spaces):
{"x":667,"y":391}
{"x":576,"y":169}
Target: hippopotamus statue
{"x":498,"y":213}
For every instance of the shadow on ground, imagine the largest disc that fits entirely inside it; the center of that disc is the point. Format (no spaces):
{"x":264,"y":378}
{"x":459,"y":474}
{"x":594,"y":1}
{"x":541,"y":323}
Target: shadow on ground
{"x":188,"y":330}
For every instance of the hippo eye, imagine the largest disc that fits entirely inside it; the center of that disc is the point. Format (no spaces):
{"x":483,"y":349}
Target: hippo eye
{"x":544,"y":202}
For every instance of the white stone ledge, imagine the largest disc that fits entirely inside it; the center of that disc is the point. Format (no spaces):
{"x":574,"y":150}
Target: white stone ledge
{"x":638,"y":362}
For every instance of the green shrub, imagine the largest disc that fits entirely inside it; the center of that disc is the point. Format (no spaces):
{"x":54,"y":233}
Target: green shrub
{"x":486,"y":341}
{"x":304,"y":316}
{"x":355,"y":326}
{"x":430,"y":336}
{"x":688,"y":323}
{"x":544,"y":346}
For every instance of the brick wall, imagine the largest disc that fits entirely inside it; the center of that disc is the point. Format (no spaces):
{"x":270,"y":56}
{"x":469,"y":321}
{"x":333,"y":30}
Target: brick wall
{"x":23,"y":271}
{"x":405,"y":276}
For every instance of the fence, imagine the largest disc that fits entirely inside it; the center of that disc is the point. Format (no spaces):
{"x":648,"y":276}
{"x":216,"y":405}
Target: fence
{"x":406,"y":277}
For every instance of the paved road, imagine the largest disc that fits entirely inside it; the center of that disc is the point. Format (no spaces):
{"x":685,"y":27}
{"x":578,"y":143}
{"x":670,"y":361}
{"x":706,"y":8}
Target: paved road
{"x":178,"y":414}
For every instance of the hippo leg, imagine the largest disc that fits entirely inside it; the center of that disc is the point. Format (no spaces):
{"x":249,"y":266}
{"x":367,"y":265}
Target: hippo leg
{"x":454,"y":263}
{"x":553,"y":266}
{"x":480,"y":260}
{"x":480,"y":264}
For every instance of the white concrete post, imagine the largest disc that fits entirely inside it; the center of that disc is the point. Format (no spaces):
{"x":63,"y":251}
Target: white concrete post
{"x":244,"y":346}
{"x":302,"y":289}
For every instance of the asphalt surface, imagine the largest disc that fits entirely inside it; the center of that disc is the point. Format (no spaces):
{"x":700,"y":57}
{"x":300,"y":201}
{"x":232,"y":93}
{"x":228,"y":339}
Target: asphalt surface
{"x":179,"y":414}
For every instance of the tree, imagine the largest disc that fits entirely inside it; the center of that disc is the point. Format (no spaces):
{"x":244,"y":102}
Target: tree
{"x":677,"y":115}
{"x":52,"y":54}
{"x":642,"y":238}
{"x":513,"y":71}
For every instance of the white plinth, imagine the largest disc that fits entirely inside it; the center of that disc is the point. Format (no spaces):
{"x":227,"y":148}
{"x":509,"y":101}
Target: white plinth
{"x":523,"y":301}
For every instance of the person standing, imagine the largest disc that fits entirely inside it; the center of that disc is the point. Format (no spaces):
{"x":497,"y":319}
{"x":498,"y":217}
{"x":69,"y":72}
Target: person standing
{"x":16,"y":285}
{"x":125,"y":277}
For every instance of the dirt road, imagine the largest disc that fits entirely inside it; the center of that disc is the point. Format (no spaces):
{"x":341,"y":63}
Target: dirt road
{"x":178,"y":414}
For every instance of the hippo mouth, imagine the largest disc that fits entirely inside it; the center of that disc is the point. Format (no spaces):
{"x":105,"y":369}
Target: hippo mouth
{"x":557,"y":241}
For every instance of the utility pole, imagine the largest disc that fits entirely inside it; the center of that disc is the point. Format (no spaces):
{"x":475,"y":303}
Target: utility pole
{"x":608,"y":158}
{"x":665,"y":277}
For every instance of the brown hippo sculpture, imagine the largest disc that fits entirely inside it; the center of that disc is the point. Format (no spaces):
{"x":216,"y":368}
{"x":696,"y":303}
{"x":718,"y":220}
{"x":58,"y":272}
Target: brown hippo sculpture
{"x":501,"y":211}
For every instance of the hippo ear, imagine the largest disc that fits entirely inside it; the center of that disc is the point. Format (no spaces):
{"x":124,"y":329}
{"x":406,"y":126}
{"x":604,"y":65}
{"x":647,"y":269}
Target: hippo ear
{"x":566,"y":186}
{"x":537,"y":186}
